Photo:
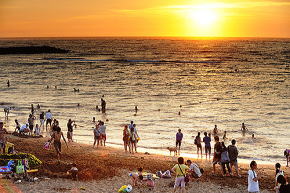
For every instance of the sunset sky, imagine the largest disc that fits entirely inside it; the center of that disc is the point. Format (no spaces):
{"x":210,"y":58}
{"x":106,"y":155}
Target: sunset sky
{"x":87,"y":18}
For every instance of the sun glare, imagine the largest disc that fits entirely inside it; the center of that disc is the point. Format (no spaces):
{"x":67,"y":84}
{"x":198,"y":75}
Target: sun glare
{"x":204,"y":18}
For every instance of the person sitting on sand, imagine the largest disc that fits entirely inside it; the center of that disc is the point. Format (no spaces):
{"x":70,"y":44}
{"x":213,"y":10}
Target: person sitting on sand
{"x":284,"y":187}
{"x":207,"y":145}
{"x":17,"y":126}
{"x":194,"y":170}
{"x":233,"y":155}
{"x":24,"y":129}
{"x":126,"y":138}
{"x":180,"y":169}
{"x":215,"y":130}
{"x":56,"y":136}
{"x":179,"y":137}
{"x":73,"y":172}
{"x":197,"y":142}
{"x":137,"y":177}
{"x":37,"y":130}
{"x":3,"y":138}
{"x":253,"y":183}
{"x":217,"y":153}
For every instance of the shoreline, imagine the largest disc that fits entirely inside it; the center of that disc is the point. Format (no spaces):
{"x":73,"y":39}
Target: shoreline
{"x":106,"y":163}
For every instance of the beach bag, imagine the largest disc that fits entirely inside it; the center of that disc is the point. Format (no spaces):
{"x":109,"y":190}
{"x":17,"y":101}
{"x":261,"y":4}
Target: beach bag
{"x":46,"y":145}
{"x":19,"y":167}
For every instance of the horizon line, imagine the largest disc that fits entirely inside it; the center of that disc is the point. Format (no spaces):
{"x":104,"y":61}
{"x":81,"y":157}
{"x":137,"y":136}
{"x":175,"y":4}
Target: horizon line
{"x":200,"y":37}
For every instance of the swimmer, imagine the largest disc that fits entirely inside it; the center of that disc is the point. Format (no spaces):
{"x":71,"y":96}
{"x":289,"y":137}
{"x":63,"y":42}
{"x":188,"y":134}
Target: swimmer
{"x":8,"y":83}
{"x":215,"y":130}
{"x":136,"y":109}
{"x":244,"y":128}
{"x":253,"y":136}
{"x":47,"y":87}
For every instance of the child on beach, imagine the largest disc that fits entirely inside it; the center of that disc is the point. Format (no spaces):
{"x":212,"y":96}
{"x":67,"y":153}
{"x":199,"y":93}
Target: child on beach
{"x":73,"y":172}
{"x":180,"y":169}
{"x":253,"y":183}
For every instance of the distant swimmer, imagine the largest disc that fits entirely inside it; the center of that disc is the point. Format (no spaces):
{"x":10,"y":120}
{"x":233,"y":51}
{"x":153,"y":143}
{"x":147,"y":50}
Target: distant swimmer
{"x":253,"y":136}
{"x":215,"y":130}
{"x":103,"y":104}
{"x":55,"y":87}
{"x":38,"y":106}
{"x":136,"y":109}
{"x":78,"y":105}
{"x":47,"y":86}
{"x":225,"y":135}
{"x":244,"y":128}
{"x":8,"y":83}
{"x":76,"y":90}
{"x":179,"y":113}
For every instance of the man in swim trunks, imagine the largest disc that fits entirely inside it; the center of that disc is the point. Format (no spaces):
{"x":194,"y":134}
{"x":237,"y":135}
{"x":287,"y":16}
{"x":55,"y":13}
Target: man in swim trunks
{"x":56,"y":136}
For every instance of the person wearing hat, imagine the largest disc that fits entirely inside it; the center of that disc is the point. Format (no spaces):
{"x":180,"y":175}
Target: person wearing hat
{"x":3,"y":131}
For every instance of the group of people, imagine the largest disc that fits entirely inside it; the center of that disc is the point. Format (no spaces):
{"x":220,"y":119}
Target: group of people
{"x":130,"y":137}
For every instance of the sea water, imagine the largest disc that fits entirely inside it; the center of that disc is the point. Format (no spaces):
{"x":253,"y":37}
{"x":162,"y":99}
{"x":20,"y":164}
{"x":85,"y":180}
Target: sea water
{"x":187,"y":84}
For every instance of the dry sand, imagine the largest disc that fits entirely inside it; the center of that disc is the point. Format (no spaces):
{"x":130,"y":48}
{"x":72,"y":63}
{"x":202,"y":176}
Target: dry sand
{"x":105,"y":170}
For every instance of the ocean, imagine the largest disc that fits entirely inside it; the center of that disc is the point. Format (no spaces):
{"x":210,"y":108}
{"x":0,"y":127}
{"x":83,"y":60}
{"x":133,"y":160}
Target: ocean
{"x":223,"y":82}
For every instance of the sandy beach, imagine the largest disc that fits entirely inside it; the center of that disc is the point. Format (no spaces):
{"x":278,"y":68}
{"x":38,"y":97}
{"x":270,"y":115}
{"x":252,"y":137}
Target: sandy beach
{"x":106,"y":169}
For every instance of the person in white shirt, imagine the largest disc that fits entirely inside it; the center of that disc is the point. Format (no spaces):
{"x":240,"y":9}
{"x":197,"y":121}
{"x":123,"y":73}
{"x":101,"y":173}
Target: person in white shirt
{"x":24,"y":129}
{"x":253,"y":183}
{"x":48,"y":117}
{"x":195,"y":171}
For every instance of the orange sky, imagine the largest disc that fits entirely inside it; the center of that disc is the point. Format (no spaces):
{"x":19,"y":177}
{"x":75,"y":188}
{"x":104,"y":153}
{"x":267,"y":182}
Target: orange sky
{"x":83,"y":18}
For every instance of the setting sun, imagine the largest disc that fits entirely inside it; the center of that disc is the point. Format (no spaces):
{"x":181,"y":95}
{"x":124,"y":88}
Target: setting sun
{"x":205,"y":18}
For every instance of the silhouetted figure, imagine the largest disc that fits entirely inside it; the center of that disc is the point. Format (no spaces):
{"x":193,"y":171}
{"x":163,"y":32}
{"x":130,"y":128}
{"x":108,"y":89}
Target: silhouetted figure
{"x":6,"y":112}
{"x":76,"y":90}
{"x":47,"y":86}
{"x":55,"y":87}
{"x":136,"y":109}
{"x":97,"y":108}
{"x":103,"y":104}
{"x":32,"y":109}
{"x":8,"y":83}
{"x":38,"y":106}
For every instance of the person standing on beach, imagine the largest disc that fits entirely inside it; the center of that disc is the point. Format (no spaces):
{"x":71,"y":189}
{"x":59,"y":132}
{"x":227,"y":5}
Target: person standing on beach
{"x":6,"y":112}
{"x":32,"y":109}
{"x":103,"y":105}
{"x":31,"y":123}
{"x":207,"y":145}
{"x":225,"y":160}
{"x":133,"y":138}
{"x":253,"y":183}
{"x":197,"y":142}
{"x":180,"y":169}
{"x":48,"y":117}
{"x":70,"y":130}
{"x":97,"y":135}
{"x":8,"y":83}
{"x":217,"y":153}
{"x":126,"y":138}
{"x":56,"y":137}
{"x":41,"y":119}
{"x":233,"y":155}
{"x":179,"y":137}
{"x":3,"y":138}
{"x":102,"y":129}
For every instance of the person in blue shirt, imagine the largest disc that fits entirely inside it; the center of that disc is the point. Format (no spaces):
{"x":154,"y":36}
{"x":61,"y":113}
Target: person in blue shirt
{"x":179,"y":137}
{"x":207,"y":145}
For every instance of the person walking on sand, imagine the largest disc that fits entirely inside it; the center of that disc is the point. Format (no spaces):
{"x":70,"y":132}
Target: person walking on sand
{"x":48,"y":117}
{"x":179,"y":137}
{"x":3,"y":138}
{"x":126,"y":138}
{"x":180,"y":169}
{"x":253,"y":183}
{"x":225,"y":160}
{"x":207,"y":146}
{"x":41,"y":120}
{"x":56,"y":137}
{"x":31,"y":123}
{"x":197,"y":142}
{"x":217,"y":153}
{"x":233,"y":155}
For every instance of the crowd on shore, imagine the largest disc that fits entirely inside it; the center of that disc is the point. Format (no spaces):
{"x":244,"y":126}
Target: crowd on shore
{"x":226,"y":156}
